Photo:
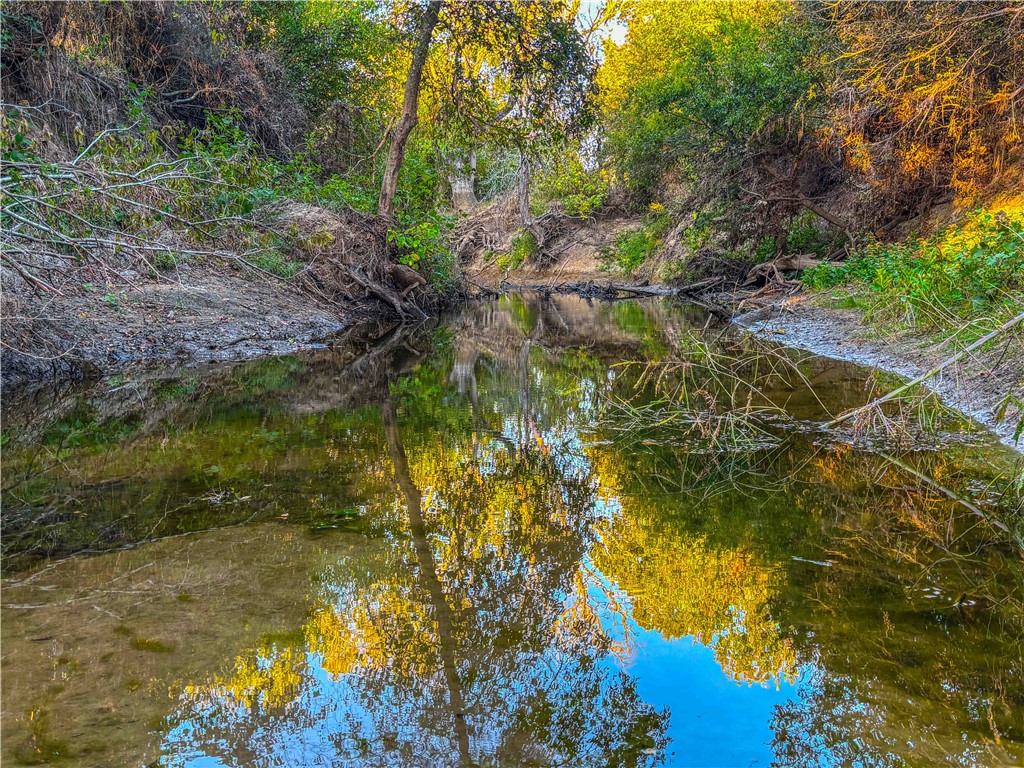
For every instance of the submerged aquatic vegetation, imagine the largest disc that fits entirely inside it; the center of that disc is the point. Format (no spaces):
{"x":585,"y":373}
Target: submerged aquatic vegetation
{"x":150,"y":645}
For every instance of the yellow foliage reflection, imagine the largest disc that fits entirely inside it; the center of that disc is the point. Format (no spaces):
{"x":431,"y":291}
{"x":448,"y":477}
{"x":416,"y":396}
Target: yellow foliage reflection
{"x":681,"y":586}
{"x":267,"y":679}
{"x":382,"y":630}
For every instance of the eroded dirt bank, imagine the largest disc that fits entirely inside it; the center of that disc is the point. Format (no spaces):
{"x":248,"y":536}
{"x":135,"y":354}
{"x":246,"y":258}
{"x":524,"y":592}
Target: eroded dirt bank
{"x":976,"y":385}
{"x":203,"y":316}
{"x":571,"y":250}
{"x":102,"y":319}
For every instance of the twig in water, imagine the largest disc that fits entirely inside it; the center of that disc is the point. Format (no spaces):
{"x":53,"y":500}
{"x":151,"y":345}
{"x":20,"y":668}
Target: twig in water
{"x":925,"y":376}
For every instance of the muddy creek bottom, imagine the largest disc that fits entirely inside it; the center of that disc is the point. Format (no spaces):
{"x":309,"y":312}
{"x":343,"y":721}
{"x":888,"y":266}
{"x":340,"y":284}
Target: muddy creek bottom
{"x":490,"y":541}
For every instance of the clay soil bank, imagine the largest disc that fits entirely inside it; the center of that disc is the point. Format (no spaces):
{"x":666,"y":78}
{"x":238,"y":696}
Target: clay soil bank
{"x":203,"y":316}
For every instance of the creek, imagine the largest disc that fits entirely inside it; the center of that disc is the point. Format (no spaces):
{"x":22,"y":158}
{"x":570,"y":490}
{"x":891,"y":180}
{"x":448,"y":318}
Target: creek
{"x":538,"y":532}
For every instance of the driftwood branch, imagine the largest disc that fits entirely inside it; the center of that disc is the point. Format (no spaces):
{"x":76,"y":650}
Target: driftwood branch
{"x":403,"y":308}
{"x":925,"y":376}
{"x":611,"y":290}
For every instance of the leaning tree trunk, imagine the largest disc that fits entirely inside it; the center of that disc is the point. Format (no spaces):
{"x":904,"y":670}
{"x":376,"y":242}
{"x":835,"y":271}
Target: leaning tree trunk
{"x":410,"y":100}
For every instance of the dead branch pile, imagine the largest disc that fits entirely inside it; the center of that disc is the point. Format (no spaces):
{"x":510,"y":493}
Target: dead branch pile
{"x":493,"y":228}
{"x":490,"y":229}
{"x":72,"y":222}
{"x":348,"y":259}
{"x":113,"y":221}
{"x":67,"y":216}
{"x":164,"y":50}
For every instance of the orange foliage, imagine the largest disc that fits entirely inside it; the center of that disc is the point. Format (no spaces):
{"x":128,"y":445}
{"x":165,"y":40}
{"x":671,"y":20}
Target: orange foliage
{"x":928,"y":96}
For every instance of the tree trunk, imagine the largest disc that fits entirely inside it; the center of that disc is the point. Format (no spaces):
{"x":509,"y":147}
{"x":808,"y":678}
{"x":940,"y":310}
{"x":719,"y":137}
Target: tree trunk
{"x":462,"y":177}
{"x":410,"y":100}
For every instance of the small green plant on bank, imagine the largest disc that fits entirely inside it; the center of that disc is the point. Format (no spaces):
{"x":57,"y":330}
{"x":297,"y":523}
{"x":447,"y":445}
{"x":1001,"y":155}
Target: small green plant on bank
{"x":965,"y":277}
{"x":765,"y":250}
{"x":805,"y":236}
{"x":424,"y":246}
{"x":165,"y":260}
{"x":697,"y":234}
{"x":802,"y":236}
{"x":580,"y":191}
{"x":276,"y":263}
{"x":632,"y":249}
{"x":524,"y":247}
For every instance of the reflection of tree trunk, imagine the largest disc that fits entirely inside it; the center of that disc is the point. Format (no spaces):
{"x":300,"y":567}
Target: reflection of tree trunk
{"x":526,"y":422}
{"x":463,"y":374}
{"x":410,"y":102}
{"x":428,"y":575}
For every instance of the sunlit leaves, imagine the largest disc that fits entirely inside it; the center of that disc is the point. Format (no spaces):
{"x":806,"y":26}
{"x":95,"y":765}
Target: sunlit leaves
{"x":704,"y":88}
{"x":508,"y":72}
{"x":937,"y":94}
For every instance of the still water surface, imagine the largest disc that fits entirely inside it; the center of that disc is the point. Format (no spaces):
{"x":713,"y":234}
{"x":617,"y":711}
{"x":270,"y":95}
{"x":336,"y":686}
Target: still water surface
{"x":489,"y":543}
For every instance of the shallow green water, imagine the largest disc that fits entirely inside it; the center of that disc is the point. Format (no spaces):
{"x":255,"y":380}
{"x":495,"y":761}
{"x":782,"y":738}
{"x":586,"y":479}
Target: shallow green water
{"x":489,"y":543}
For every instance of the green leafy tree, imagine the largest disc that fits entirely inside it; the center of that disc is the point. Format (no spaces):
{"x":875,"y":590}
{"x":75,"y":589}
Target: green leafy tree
{"x":503,"y":76}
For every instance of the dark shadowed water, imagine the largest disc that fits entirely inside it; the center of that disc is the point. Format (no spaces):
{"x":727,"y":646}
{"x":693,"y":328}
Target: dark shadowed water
{"x":488,"y":542}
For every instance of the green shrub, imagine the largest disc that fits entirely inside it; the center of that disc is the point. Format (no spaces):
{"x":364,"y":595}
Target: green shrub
{"x":805,"y":236}
{"x":165,"y":260}
{"x":962,"y":273}
{"x":580,"y":191}
{"x":700,"y":230}
{"x":632,"y":249}
{"x":425,"y":247}
{"x":765,"y":250}
{"x":524,"y":248}
{"x":276,"y":263}
{"x":728,"y":82}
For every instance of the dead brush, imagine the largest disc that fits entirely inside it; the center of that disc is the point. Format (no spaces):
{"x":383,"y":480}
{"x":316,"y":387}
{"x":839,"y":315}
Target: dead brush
{"x":121,"y":210}
{"x":77,"y":61}
{"x":87,"y":213}
{"x":707,"y":399}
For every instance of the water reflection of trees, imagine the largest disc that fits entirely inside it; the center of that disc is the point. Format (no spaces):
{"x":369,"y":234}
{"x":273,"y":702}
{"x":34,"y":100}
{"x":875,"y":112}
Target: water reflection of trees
{"x":511,"y":500}
{"x":903,"y":603}
{"x":528,"y":531}
{"x":473,"y":640}
{"x":917,"y":629}
{"x":682,"y":587}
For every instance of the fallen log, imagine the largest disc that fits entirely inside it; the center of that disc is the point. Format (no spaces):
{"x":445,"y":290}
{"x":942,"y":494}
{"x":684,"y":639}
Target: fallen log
{"x":612,"y":290}
{"x":642,"y":290}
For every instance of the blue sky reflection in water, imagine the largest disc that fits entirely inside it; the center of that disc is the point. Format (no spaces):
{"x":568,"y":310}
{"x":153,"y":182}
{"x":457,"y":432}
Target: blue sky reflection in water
{"x":714,"y":720}
{"x":490,"y":543}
